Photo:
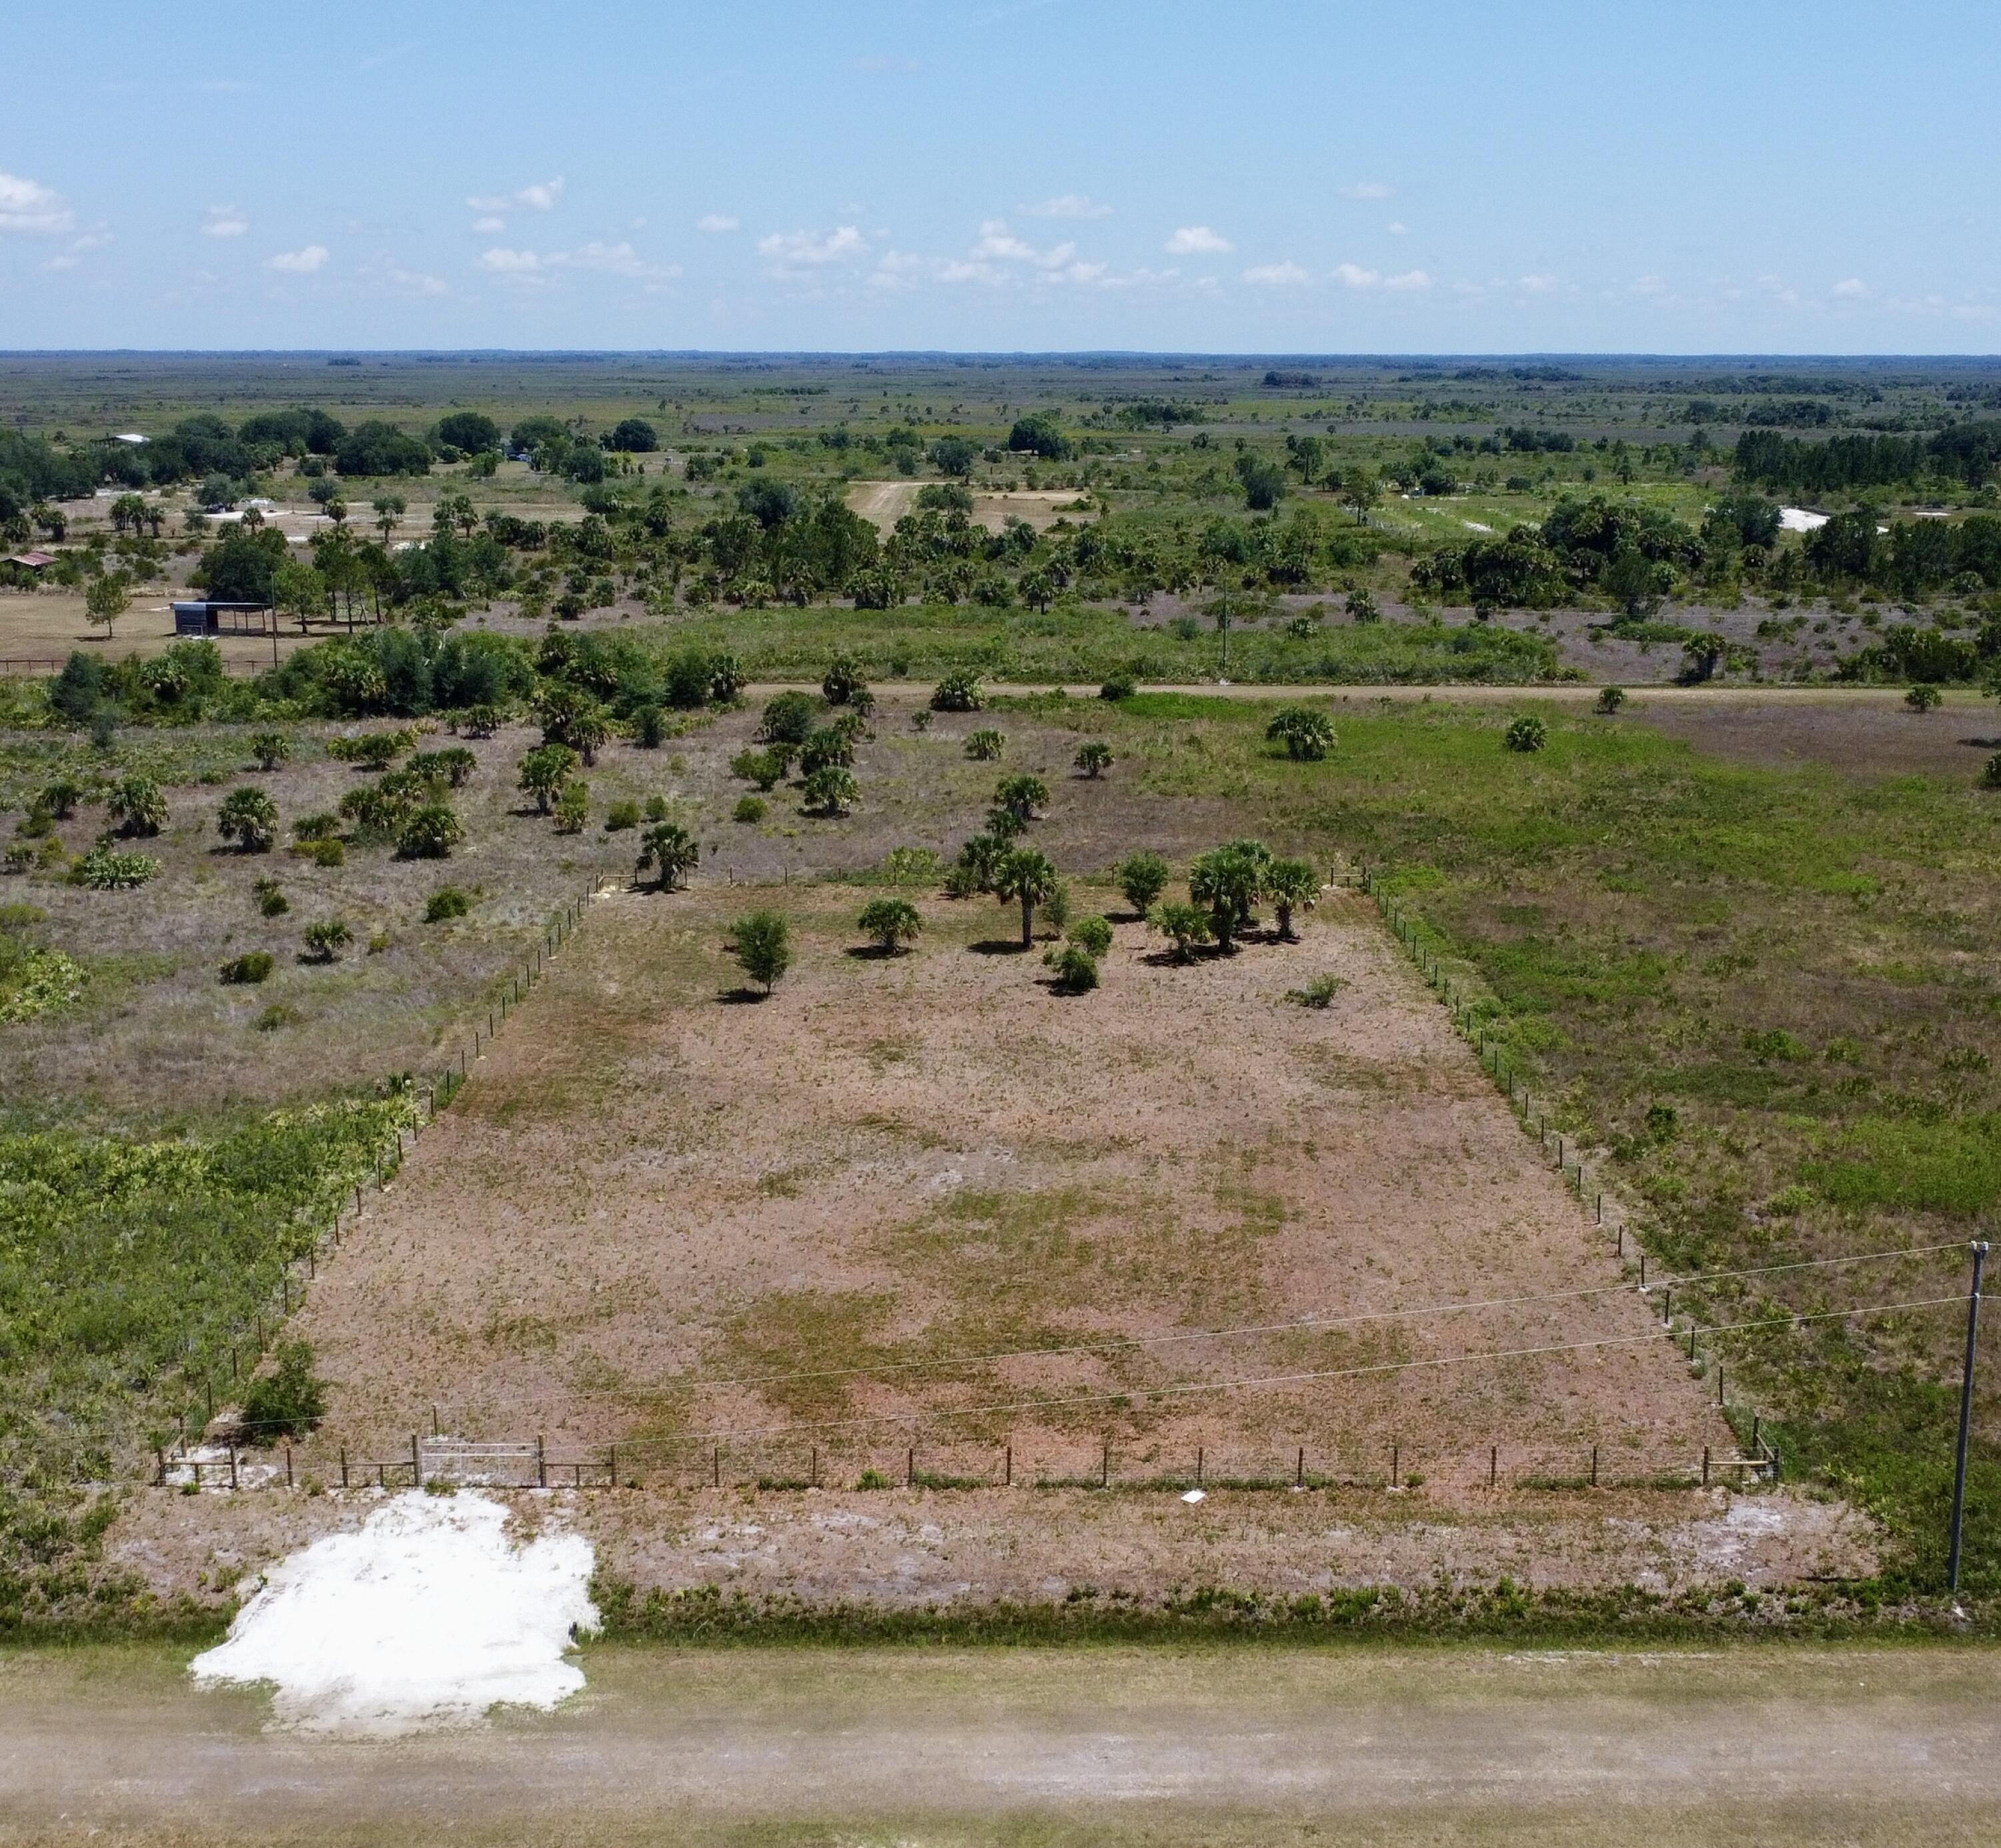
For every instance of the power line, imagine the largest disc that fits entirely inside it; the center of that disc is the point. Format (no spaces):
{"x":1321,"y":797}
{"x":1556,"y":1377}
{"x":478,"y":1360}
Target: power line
{"x":1119,"y":1344}
{"x":1764,"y":1324}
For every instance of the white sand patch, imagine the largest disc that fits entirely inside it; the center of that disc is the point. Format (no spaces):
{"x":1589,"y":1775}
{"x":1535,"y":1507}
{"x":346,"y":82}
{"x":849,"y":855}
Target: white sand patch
{"x":1797,"y":519}
{"x":427,"y":1616}
{"x":1475,"y":526}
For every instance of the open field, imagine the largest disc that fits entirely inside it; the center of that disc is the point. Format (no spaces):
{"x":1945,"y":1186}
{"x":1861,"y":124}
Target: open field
{"x":1672,"y":1749}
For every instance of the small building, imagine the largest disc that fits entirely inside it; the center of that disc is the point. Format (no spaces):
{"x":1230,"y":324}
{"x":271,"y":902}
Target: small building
{"x":203,"y":616}
{"x":32,"y":561}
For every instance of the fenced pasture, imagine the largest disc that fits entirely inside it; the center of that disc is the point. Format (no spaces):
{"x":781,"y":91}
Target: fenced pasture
{"x":924,"y":1200}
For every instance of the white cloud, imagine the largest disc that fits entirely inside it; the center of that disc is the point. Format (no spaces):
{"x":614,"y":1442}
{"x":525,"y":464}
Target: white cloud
{"x":26,"y":205}
{"x":1197,"y":240}
{"x":1410,"y":280}
{"x":224,"y":221}
{"x":716,"y":222}
{"x":1537,"y":285}
{"x":788,"y":250}
{"x":997,"y":244}
{"x":607,"y":259}
{"x":1398,"y":228}
{"x":1854,"y":286}
{"x":1068,"y":205}
{"x":540,"y":197}
{"x":489,"y":225}
{"x":299,"y":262}
{"x":616,"y":260}
{"x":1277,"y":276}
{"x":418,"y":282}
{"x":503,"y":262}
{"x":1647,"y":285}
{"x":74,"y":252}
{"x":1354,"y":276}
{"x":1368,"y":189}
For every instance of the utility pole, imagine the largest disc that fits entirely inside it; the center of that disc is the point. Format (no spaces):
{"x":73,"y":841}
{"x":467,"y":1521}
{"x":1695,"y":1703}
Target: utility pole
{"x":1965,"y":1415}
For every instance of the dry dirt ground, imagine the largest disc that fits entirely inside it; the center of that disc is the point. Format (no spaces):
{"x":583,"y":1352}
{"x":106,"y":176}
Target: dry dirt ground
{"x":883,"y":503}
{"x":923,"y":1203}
{"x":1672,"y":1748}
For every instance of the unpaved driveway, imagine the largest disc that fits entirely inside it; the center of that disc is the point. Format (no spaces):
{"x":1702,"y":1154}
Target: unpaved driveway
{"x":1251,"y":1744}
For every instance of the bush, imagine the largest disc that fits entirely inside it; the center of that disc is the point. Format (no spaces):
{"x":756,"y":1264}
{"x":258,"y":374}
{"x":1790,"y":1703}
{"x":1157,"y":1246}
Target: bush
{"x":1307,"y":734}
{"x":920,"y":720}
{"x":271,"y":901}
{"x":826,"y":745}
{"x":1143,"y":877}
{"x":671,"y":851}
{"x":1610,"y":699}
{"x":1076,"y":968}
{"x":621,"y":816}
{"x":1923,"y":698}
{"x":1092,"y":934}
{"x":843,"y":680}
{"x":985,"y":746}
{"x":573,"y":808}
{"x":430,"y":833}
{"x":958,"y":692}
{"x":1093,"y":758}
{"x":761,"y":942}
{"x":762,"y":767}
{"x":137,"y":806}
{"x":317,"y":826}
{"x":288,"y":1400}
{"x":248,"y":970}
{"x":332,"y":851}
{"x":1118,"y":686}
{"x":104,"y":869}
{"x":1020,"y":796}
{"x":750,"y":808}
{"x":249,"y":818}
{"x":272,"y":749}
{"x":1990,"y":777}
{"x":830,"y":790}
{"x":650,"y":727}
{"x":445,"y":904}
{"x":543,"y":772}
{"x":788,"y":718}
{"x":1319,"y":993}
{"x":276,"y":1016}
{"x":1528,"y":732}
{"x":1187,"y":925}
{"x":890,"y":922}
{"x":327,"y":938}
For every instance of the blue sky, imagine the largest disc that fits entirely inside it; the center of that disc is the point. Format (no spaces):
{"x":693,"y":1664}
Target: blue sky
{"x":1543,"y":175}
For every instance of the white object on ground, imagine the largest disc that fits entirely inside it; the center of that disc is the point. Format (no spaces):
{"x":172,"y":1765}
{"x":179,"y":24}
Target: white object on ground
{"x":1194,"y":1495}
{"x":1476,"y":526}
{"x":1797,"y":519}
{"x":427,"y":1616}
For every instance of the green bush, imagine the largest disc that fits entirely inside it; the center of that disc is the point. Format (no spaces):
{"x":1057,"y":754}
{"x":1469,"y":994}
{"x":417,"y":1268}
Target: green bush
{"x":890,"y":924}
{"x":1529,"y":733}
{"x":985,"y":746}
{"x":788,"y":718}
{"x":1319,"y":993}
{"x":761,"y":943}
{"x":1610,"y":699}
{"x":750,"y":808}
{"x":1075,"y":968}
{"x":830,"y":790}
{"x":445,"y":904}
{"x":1923,"y":698}
{"x":104,"y":869}
{"x":621,"y":815}
{"x":1093,"y":935}
{"x":1093,"y":758}
{"x":1143,"y":877}
{"x":650,"y":727}
{"x":248,"y":970}
{"x":1307,"y":734}
{"x":1118,"y":686}
{"x":286,"y":1399}
{"x":959,"y":691}
{"x":430,"y":833}
{"x":326,"y":938}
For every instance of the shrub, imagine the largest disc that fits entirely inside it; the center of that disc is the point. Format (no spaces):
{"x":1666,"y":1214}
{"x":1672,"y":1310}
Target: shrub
{"x":1020,"y":796}
{"x":1230,"y":881}
{"x":1143,"y":877}
{"x":1361,"y":607}
{"x":445,"y":904}
{"x":826,"y":745}
{"x":1118,"y":686}
{"x":454,"y":767}
{"x":920,"y":719}
{"x":1526,"y":733}
{"x":762,"y":767}
{"x":1610,"y":699}
{"x":480,"y":721}
{"x":137,"y":806}
{"x":327,"y":938}
{"x":320,"y":826}
{"x":105,"y":869}
{"x":1307,"y":734}
{"x":1092,"y":934}
{"x":650,"y":727}
{"x":1990,"y":777}
{"x":249,"y":969}
{"x":910,"y":866}
{"x":671,"y":851}
{"x":1289,"y":884}
{"x":844,"y":680}
{"x":543,"y":771}
{"x":276,"y":1016}
{"x":985,"y":746}
{"x":332,"y":851}
{"x":656,"y":808}
{"x":286,"y":1401}
{"x":1093,"y":758}
{"x":958,"y":692}
{"x":271,"y":901}
{"x":787,"y":718}
{"x":1923,"y":698}
{"x":272,"y":749}
{"x":621,"y":816}
{"x":573,"y":808}
{"x":890,"y":922}
{"x":1187,"y":925}
{"x":249,"y":818}
{"x":1319,"y":993}
{"x":761,"y":943}
{"x":60,"y":797}
{"x":830,"y":790}
{"x":430,"y":833}
{"x":1076,"y":968}
{"x":750,"y":808}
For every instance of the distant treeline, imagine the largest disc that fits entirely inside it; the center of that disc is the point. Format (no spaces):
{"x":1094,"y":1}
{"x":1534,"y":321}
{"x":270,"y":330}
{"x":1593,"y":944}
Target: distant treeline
{"x":1968,"y":453}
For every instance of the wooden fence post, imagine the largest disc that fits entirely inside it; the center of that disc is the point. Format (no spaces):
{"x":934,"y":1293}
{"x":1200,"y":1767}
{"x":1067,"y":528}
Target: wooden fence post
{"x":1594,"y":1466}
{"x":343,"y":1466}
{"x":1007,"y":1469}
{"x":1493,"y":1465}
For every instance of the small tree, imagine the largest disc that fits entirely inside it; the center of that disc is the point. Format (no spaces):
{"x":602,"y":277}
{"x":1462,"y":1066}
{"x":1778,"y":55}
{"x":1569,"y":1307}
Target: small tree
{"x":762,"y":767}
{"x":288,"y":1399}
{"x":788,"y":718}
{"x":844,"y":680}
{"x":890,"y":922}
{"x":826,"y":744}
{"x":1143,"y":877}
{"x":986,"y":745}
{"x":327,"y":938}
{"x":1075,"y":968}
{"x":958,"y":692}
{"x":1361,"y":606}
{"x":1923,"y":698}
{"x":60,"y":797}
{"x":1187,"y":925}
{"x":108,"y":598}
{"x":1528,"y":732}
{"x":272,"y":749}
{"x":543,"y":772}
{"x":1307,"y":736}
{"x":830,"y":790}
{"x":136,"y":805}
{"x":1093,"y":935}
{"x":1093,"y":758}
{"x":1029,"y":877}
{"x":1020,"y":796}
{"x":761,"y":943}
{"x":430,"y":833}
{"x":249,"y":818}
{"x":1228,"y":882}
{"x":1289,"y":884}
{"x":671,"y":851}
{"x":573,"y":808}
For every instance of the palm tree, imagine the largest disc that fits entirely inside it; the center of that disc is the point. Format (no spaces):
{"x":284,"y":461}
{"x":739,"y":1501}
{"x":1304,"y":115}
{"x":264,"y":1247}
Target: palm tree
{"x":671,"y":851}
{"x":388,"y":510}
{"x":1027,"y":874}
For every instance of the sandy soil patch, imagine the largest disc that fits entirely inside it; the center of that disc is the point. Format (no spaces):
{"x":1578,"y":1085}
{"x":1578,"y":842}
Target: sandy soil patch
{"x":883,"y":503}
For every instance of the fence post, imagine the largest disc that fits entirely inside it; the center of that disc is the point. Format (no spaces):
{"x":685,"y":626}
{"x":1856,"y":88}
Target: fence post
{"x":1705,"y":1465}
{"x":160,"y":1453}
{"x":813,"y":1478}
{"x":1197,"y":1465}
{"x":719,"y":1465}
{"x":612,"y":1450}
{"x":1008,"y":1476}
{"x":1299,"y":1469}
{"x":343,"y":1466}
{"x":910,"y":1468}
{"x":1104,"y":1467}
{"x":1594,"y":1466}
{"x":1396,"y":1466}
{"x":416,"y":1464}
{"x":1493,"y":1465}
{"x":288,"y":1466}
{"x":232,"y":1465}
{"x":542,"y":1463}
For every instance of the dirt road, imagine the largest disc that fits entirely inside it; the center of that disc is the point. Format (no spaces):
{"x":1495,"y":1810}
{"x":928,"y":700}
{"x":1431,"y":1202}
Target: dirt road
{"x":1251,"y":1744}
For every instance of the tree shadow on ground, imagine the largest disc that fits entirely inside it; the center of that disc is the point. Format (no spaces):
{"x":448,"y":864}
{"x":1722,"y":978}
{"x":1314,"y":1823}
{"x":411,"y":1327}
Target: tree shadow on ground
{"x":998,"y":946}
{"x":741,"y":997}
